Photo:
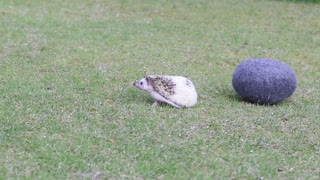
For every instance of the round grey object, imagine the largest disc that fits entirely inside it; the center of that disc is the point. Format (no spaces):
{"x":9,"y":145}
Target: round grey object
{"x":264,"y":81}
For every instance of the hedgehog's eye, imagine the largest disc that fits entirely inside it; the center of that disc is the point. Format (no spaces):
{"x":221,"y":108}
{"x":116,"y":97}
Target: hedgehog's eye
{"x":141,"y":83}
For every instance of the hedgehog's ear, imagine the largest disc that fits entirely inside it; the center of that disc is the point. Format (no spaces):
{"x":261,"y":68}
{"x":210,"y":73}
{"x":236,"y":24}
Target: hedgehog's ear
{"x":148,"y":80}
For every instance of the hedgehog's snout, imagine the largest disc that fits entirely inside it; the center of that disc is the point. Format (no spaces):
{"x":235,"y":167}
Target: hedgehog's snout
{"x":134,"y":84}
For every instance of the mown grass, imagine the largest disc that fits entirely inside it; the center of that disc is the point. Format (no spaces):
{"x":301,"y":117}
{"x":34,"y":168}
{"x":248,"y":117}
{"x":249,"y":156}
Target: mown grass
{"x":68,"y":108}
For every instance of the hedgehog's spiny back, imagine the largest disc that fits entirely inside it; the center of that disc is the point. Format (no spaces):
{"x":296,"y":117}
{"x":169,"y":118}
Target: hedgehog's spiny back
{"x":162,"y":85}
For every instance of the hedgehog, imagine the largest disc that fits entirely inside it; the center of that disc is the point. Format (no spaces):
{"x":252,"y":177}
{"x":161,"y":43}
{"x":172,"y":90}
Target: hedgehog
{"x":177,"y":91}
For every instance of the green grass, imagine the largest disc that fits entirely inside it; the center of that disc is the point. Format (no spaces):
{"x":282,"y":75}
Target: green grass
{"x":68,"y":109}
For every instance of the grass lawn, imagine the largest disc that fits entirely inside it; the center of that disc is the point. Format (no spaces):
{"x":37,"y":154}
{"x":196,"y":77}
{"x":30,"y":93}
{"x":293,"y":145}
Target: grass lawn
{"x":68,"y":109}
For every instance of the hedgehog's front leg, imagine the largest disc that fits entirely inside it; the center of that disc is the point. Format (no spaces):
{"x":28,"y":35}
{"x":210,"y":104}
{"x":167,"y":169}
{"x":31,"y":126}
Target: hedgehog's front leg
{"x":155,"y":103}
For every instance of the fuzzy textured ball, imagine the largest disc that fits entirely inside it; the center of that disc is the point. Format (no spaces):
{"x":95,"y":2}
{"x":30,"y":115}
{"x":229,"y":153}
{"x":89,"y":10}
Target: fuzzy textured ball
{"x":264,"y":81}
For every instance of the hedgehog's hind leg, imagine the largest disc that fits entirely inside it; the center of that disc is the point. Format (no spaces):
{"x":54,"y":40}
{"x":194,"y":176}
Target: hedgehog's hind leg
{"x":158,"y":98}
{"x":173,"y":104}
{"x":166,"y":101}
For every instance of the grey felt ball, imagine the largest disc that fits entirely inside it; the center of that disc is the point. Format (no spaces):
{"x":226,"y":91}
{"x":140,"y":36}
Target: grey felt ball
{"x":264,"y":81}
